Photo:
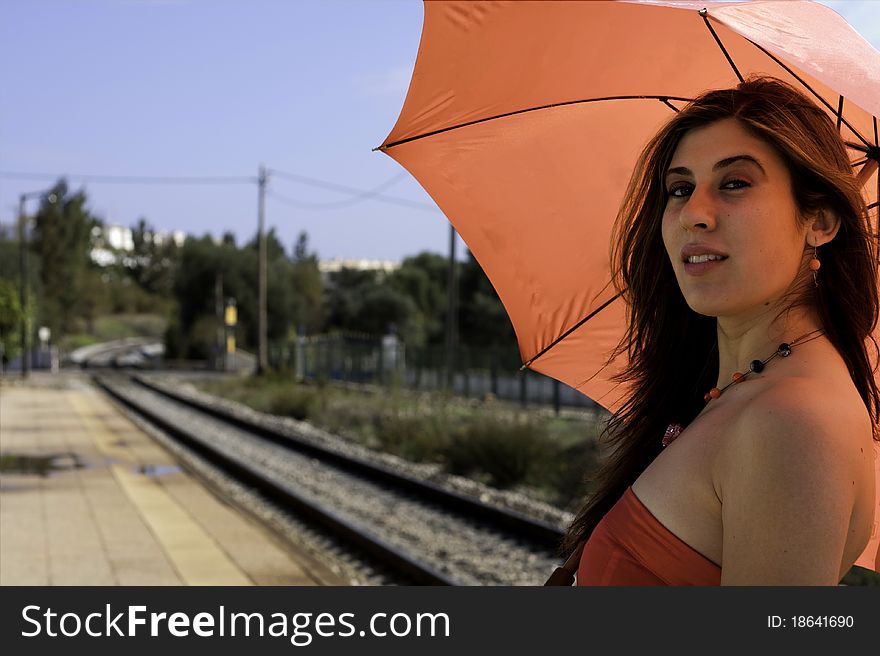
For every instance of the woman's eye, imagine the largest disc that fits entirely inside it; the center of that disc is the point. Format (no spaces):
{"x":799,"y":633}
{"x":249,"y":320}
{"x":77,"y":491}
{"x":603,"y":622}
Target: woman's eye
{"x":683,"y":190}
{"x":739,"y":183}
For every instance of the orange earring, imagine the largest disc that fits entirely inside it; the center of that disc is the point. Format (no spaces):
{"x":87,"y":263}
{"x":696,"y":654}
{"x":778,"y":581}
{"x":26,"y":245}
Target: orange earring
{"x":814,"y":266}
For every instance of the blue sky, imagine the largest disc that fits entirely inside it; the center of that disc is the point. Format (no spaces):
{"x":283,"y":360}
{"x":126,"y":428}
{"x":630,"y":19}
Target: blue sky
{"x":214,"y":88}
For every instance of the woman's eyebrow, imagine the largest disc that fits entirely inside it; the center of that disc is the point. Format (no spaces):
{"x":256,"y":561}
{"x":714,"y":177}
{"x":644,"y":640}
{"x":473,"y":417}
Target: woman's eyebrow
{"x":720,"y":164}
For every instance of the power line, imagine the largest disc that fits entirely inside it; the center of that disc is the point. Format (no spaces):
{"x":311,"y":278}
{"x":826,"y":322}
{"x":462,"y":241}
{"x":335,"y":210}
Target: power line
{"x":424,"y":207}
{"x":132,"y":179}
{"x":359,"y":194}
{"x":356,"y":198}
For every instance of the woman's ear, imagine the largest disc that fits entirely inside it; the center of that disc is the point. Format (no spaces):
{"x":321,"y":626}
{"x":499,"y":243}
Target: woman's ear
{"x":823,"y":227}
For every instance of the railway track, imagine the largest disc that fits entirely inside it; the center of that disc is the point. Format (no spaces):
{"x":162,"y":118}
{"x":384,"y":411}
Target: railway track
{"x":423,"y":532}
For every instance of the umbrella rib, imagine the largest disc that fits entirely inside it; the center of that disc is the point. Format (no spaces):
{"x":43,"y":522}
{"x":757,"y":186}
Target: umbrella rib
{"x":811,"y":90}
{"x":666,"y":102}
{"x":839,"y":112}
{"x":524,"y":111}
{"x":571,"y":330}
{"x":704,"y":13}
{"x":858,"y":147}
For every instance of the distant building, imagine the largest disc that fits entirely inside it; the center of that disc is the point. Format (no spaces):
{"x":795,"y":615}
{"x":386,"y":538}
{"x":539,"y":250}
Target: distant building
{"x":332,"y":266}
{"x":161,"y":236}
{"x":110,"y":242}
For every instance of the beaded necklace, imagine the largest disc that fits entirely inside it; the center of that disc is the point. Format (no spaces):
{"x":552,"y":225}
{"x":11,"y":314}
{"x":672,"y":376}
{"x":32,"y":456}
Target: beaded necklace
{"x":755,"y":366}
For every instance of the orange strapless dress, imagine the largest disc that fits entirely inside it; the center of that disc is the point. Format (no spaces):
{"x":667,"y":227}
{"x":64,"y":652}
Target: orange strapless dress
{"x":630,"y":547}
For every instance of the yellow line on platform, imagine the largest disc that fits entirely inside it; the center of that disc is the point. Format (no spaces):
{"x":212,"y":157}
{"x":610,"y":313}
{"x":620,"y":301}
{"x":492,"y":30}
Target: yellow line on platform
{"x":195,"y":555}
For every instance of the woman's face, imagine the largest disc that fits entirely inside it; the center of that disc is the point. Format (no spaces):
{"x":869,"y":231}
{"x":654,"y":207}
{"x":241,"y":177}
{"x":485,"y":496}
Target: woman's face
{"x":729,"y":195}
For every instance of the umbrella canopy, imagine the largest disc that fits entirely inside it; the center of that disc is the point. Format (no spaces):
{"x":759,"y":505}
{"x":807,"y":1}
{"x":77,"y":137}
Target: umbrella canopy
{"x":523,"y":122}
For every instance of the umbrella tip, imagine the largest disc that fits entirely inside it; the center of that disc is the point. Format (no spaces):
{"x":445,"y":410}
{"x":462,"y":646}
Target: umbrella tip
{"x":377,"y":148}
{"x":704,"y":12}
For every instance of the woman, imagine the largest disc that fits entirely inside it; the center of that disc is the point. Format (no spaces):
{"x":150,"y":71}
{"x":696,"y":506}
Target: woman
{"x":743,"y":238}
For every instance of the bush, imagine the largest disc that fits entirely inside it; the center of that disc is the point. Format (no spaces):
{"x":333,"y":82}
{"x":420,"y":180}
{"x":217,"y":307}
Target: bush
{"x":175,"y":341}
{"x":508,"y":452}
{"x":551,"y":457}
{"x":202,"y":339}
{"x":417,"y":438}
{"x":297,"y":402}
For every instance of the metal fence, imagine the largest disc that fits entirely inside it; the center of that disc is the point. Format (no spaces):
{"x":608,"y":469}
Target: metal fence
{"x":477,"y":372}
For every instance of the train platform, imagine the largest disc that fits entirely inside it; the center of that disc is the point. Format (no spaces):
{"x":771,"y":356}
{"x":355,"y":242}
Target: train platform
{"x":88,"y":498}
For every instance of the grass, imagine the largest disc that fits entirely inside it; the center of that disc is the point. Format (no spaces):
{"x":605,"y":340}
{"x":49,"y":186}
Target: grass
{"x":497,"y":443}
{"x":117,"y":326}
{"x":120,"y":326}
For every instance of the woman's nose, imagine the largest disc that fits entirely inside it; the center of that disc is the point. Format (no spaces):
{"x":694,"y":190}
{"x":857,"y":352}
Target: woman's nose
{"x":698,"y":213}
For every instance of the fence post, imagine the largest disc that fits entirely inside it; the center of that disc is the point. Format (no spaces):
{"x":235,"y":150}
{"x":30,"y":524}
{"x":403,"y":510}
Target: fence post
{"x":380,"y":370}
{"x":354,"y":374}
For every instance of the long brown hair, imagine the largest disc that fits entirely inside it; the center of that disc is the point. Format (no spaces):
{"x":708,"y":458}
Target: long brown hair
{"x":672,"y":350}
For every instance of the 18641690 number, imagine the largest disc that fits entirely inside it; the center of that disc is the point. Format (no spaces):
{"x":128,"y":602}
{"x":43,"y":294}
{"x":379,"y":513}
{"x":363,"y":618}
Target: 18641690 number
{"x":825,"y":621}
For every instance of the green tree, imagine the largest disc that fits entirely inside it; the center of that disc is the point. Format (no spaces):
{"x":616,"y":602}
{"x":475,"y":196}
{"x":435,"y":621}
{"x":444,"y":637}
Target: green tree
{"x":11,"y":317}
{"x":274,"y":247}
{"x":383,"y":309}
{"x":9,"y":264}
{"x":94,"y":297}
{"x":423,"y":279}
{"x":307,"y":287}
{"x":364,"y":301}
{"x":61,"y":238}
{"x":153,"y":260}
{"x":10,"y":272}
{"x":203,"y":264}
{"x":344,"y":295}
{"x":483,"y":321}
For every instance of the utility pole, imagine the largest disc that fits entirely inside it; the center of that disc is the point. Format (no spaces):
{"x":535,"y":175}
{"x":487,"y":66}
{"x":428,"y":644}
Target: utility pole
{"x":451,"y":314}
{"x":23,"y":287}
{"x":220,"y":341}
{"x":262,"y":359}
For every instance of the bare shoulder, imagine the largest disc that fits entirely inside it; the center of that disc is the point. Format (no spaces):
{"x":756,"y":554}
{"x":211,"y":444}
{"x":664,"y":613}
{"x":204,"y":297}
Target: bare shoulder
{"x":794,"y":467}
{"x":799,"y":428}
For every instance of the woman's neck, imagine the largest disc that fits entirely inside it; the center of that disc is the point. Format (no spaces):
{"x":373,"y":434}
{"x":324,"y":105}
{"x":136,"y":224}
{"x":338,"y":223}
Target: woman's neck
{"x":743,"y":339}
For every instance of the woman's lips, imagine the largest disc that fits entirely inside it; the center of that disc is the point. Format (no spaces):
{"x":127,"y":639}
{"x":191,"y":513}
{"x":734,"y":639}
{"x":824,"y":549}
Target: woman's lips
{"x":702,"y":268}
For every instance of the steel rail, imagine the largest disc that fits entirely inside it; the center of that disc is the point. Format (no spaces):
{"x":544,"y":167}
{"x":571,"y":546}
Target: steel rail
{"x":533,"y":529}
{"x":389,"y":555}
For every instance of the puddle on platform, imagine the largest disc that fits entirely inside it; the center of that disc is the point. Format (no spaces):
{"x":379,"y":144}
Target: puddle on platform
{"x":19,"y":463}
{"x":157,"y":470}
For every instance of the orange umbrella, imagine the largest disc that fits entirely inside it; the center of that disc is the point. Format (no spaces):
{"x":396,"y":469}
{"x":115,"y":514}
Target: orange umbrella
{"x":523,"y":121}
